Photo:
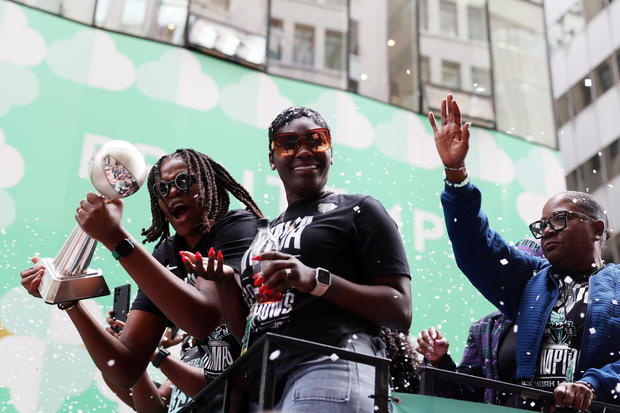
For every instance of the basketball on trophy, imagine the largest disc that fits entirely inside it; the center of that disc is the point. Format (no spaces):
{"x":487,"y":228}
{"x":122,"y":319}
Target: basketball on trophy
{"x":118,"y":169}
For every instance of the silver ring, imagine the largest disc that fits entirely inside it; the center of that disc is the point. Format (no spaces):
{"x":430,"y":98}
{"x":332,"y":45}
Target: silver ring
{"x":288,"y":272}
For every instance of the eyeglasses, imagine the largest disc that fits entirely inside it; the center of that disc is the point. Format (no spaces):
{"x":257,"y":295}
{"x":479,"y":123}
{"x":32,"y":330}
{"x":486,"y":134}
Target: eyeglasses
{"x":557,"y":221}
{"x":182,"y":181}
{"x":286,"y":144}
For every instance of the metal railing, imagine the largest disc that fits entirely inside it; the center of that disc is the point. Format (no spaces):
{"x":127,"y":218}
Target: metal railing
{"x":429,"y":376}
{"x":263,"y":350}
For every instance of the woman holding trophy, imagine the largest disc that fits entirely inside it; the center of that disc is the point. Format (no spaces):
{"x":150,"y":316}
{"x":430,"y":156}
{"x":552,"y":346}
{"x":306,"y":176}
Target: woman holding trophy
{"x":189,"y":191}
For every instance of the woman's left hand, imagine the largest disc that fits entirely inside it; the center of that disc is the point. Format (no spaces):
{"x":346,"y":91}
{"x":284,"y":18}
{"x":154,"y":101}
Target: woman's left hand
{"x":281,"y":271}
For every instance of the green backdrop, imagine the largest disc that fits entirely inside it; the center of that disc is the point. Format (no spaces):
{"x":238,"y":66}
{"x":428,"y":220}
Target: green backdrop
{"x":65,"y":88}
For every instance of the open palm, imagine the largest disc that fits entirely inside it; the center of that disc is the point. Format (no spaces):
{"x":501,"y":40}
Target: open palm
{"x":451,"y":139}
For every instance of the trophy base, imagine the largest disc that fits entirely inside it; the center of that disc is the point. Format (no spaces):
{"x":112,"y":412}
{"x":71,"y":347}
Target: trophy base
{"x":55,"y":288}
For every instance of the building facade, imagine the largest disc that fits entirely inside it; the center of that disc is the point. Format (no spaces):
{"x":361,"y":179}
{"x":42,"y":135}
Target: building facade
{"x":584,"y":44}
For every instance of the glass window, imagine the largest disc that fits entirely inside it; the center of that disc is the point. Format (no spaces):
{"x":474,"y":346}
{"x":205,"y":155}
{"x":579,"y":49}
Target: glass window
{"x":571,"y":181}
{"x":229,"y":29}
{"x":561,"y":105}
{"x":383,"y":57}
{"x":481,"y":80}
{"x":424,"y":14}
{"x":520,"y":70}
{"x":591,"y":174}
{"x":612,"y":159}
{"x":313,"y":43}
{"x":458,"y":66}
{"x":162,"y":20}
{"x":447,"y":18}
{"x":604,"y":77}
{"x":569,"y":25}
{"x":476,"y":23}
{"x":451,"y":74}
{"x":303,"y":45}
{"x":276,"y":33}
{"x":581,"y":95}
{"x":335,"y":49}
{"x":425,"y":69}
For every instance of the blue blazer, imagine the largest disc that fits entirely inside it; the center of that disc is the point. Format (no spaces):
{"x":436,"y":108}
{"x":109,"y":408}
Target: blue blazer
{"x":521,"y":286}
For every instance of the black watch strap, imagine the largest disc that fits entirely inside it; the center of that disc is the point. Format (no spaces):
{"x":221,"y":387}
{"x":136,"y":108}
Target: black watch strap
{"x":162,"y":353}
{"x":123,"y":248}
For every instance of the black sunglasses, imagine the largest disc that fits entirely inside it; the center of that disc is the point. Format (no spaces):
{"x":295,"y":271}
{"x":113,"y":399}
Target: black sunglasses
{"x":557,"y":221}
{"x":182,"y":181}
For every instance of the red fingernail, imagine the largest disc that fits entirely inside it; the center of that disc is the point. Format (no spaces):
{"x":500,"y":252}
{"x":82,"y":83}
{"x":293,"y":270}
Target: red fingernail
{"x":255,"y":275}
{"x":258,"y":281}
{"x":262,"y":288}
{"x":183,"y":258}
{"x":211,"y":253}
{"x":198,"y":255}
{"x":181,"y":253}
{"x":219,"y":255}
{"x":256,"y":258}
{"x":268,"y":291}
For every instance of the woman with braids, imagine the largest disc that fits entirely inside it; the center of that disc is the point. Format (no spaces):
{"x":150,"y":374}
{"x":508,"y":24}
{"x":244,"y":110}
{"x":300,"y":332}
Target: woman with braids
{"x":341,"y":270}
{"x":189,"y":191}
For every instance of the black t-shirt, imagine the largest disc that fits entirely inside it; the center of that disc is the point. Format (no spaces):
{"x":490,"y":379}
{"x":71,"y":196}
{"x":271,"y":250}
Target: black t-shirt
{"x":351,"y":236}
{"x":232,"y":234}
{"x":561,"y":342}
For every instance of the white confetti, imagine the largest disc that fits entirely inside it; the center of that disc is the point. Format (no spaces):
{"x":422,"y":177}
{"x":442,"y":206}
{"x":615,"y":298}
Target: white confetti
{"x":592,"y":330}
{"x":111,"y":362}
{"x":503,"y":261}
{"x":568,"y":280}
{"x":274,"y":355}
{"x":501,"y":303}
{"x":614,"y":302}
{"x":515,"y":328}
{"x":334,"y":357}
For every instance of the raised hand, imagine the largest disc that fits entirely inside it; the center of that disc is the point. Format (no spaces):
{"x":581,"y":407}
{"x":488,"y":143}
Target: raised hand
{"x":432,"y":345}
{"x":207,"y":268}
{"x":451,"y":139}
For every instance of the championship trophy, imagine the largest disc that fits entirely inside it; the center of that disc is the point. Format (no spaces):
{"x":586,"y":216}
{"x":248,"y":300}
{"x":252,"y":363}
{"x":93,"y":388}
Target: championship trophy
{"x":117,"y":170}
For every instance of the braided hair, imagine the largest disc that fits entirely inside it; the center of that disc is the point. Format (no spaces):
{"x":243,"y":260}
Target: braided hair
{"x":405,"y":361}
{"x":294,"y":112}
{"x":214,"y":182}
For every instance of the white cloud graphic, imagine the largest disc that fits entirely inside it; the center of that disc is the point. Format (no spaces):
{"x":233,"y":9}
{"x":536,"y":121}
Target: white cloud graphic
{"x":178,"y":78}
{"x":42,"y":347}
{"x":12,"y":170}
{"x":12,"y":165}
{"x":90,"y":57}
{"x":348,"y":126}
{"x":486,"y":160}
{"x":261,"y":100}
{"x":19,"y":44}
{"x":541,"y":176}
{"x":404,"y":138}
{"x":18,"y":86}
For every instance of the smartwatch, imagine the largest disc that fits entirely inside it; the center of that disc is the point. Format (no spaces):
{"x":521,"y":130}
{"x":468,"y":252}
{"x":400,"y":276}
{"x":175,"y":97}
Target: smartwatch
{"x":162,"y":353}
{"x":323,"y":279}
{"x":123,"y":248}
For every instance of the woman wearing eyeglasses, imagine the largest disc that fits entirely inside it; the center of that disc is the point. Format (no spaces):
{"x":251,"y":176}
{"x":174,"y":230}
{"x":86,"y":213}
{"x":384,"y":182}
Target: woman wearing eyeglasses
{"x":189,"y":191}
{"x":340,"y":273}
{"x":565,"y":306}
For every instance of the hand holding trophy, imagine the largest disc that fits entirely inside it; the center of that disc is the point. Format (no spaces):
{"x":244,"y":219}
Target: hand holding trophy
{"x":118,"y":170}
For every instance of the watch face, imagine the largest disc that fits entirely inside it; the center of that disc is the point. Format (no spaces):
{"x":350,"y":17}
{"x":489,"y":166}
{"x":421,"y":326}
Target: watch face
{"x":323,"y":276}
